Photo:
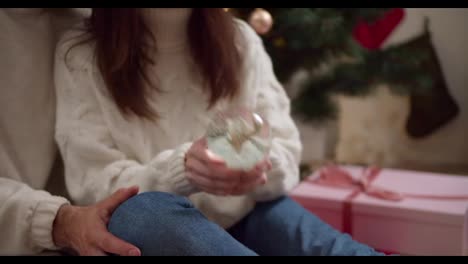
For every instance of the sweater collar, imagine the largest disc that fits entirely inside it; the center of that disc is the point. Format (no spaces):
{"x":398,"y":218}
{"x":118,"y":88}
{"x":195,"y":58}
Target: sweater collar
{"x":169,"y":26}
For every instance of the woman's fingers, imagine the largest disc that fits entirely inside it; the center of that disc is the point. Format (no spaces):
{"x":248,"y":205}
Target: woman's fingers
{"x":210,"y":173}
{"x":248,"y":186}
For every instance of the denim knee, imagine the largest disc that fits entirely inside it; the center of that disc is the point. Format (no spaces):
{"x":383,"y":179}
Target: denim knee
{"x":147,"y":214}
{"x":162,"y":224}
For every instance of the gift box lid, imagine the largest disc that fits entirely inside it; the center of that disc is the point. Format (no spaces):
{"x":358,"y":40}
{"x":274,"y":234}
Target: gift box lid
{"x":448,"y":212}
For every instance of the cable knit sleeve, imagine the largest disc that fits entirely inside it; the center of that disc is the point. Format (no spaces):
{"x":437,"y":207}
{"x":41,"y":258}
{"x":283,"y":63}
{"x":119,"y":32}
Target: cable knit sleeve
{"x":94,"y":165}
{"x":27,"y":217}
{"x":271,"y":101}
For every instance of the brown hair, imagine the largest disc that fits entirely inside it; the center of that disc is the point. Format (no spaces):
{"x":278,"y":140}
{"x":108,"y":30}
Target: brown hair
{"x":122,"y":41}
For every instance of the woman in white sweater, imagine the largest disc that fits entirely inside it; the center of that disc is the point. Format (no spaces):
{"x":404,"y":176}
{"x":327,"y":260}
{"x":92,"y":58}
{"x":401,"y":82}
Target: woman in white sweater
{"x":136,"y":90}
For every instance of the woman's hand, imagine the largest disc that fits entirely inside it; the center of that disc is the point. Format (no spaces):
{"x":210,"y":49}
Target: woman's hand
{"x":84,"y":229}
{"x":210,"y":174}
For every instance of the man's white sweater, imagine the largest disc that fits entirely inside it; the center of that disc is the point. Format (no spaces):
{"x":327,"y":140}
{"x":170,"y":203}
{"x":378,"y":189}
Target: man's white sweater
{"x":27,"y":117}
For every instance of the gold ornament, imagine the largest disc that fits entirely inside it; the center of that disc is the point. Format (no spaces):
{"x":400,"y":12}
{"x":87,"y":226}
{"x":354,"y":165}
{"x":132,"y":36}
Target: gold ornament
{"x":279,"y":42}
{"x":261,"y":21}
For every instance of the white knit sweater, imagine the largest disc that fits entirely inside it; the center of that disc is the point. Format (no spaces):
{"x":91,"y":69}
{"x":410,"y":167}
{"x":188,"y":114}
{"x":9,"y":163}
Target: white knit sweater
{"x":27,"y":119}
{"x":103,"y":151}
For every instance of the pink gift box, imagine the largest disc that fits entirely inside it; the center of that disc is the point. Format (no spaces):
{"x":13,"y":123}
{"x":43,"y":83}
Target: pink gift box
{"x":413,"y":226}
{"x":465,"y":234}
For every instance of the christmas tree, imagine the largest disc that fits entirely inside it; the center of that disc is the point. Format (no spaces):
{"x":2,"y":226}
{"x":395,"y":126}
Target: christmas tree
{"x":341,"y":50}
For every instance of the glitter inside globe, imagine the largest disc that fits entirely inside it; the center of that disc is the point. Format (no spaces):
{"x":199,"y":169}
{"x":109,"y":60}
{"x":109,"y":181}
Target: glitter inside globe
{"x":240,"y":137}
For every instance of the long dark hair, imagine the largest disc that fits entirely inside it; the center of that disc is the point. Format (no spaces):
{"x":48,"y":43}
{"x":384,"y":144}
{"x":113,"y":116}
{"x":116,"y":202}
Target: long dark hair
{"x":122,"y":53}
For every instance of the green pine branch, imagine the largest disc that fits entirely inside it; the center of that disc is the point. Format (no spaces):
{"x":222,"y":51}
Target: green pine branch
{"x":307,"y":38}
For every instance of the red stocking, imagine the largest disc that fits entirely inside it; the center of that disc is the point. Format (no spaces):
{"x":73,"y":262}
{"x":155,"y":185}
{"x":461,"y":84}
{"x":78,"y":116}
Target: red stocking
{"x":371,"y":36}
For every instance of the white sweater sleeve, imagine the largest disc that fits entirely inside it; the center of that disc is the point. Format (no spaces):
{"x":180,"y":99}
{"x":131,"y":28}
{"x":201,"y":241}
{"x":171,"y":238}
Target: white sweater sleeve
{"x":26,"y":218}
{"x":273,"y":104}
{"x":94,"y":166}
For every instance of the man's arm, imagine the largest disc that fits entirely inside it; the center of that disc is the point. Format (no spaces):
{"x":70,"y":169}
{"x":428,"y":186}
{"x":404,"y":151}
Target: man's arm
{"x":26,"y":218}
{"x":32,"y":221}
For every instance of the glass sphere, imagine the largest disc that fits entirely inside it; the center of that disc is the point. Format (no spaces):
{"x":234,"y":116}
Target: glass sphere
{"x":241,"y":137}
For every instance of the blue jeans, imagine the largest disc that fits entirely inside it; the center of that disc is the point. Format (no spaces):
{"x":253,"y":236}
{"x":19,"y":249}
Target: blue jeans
{"x":165,"y":224}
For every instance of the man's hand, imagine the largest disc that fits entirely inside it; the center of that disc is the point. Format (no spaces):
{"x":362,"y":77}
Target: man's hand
{"x":84,"y":229}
